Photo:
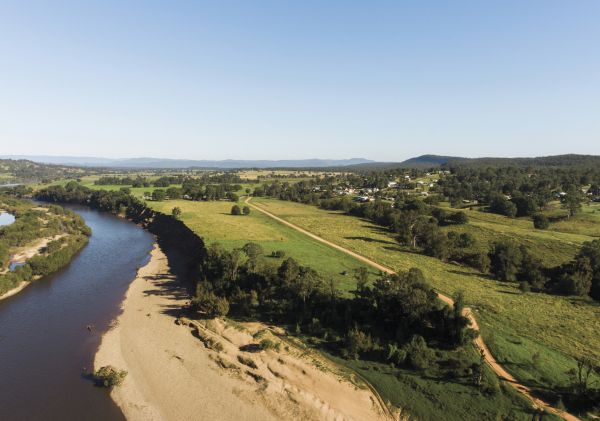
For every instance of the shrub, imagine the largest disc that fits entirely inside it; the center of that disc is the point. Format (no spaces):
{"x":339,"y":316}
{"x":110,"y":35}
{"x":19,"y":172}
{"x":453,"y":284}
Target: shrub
{"x":235,"y":210}
{"x":524,"y":287}
{"x":246,"y":210}
{"x":247,"y":361}
{"x":267,"y":344}
{"x":209,"y":303}
{"x":358,"y":342}
{"x":278,"y":254}
{"x":540,"y":221}
{"x":418,"y":355}
{"x":109,"y":377}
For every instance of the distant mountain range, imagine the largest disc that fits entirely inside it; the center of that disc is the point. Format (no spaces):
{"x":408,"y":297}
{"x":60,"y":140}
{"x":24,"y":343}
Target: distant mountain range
{"x":187,"y":163}
{"x":422,"y":162}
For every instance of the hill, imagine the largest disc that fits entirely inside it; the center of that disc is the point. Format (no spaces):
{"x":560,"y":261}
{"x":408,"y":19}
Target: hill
{"x":188,"y":163}
{"x":434,"y":161}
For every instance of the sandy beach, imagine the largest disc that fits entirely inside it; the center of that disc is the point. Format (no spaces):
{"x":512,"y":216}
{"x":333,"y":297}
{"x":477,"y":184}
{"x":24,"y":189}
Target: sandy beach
{"x":176,"y":370}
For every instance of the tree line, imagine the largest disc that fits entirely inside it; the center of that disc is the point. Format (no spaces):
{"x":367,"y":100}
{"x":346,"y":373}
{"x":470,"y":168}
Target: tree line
{"x":397,"y":319}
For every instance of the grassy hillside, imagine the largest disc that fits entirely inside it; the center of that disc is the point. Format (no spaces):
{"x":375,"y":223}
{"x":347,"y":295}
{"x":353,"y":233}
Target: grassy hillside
{"x":515,"y":325}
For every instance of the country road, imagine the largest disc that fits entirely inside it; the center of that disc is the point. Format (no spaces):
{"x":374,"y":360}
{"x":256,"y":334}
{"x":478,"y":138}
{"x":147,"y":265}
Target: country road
{"x":479,"y":343}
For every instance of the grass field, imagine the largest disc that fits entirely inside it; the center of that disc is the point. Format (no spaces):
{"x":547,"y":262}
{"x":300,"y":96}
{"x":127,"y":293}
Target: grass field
{"x":552,"y":246}
{"x":213,"y":222}
{"x":515,"y":325}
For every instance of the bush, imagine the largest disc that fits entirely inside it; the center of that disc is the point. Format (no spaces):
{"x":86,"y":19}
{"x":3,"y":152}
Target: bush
{"x":208,"y":303}
{"x":278,"y":254}
{"x":540,"y":221}
{"x":524,"y":287}
{"x":246,"y":210}
{"x":235,"y":210}
{"x":418,"y":355}
{"x":267,"y":344}
{"x":358,"y":342}
{"x":109,"y":377}
{"x":458,"y":218}
{"x":247,"y":361}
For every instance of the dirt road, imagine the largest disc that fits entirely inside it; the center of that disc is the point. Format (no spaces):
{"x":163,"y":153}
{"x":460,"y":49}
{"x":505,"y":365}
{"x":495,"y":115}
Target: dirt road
{"x":489,"y":358}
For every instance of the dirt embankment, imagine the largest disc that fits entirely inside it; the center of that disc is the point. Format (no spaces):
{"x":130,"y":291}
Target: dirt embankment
{"x":183,"y":369}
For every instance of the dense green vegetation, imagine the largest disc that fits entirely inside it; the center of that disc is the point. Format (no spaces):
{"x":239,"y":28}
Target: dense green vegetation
{"x":65,"y":231}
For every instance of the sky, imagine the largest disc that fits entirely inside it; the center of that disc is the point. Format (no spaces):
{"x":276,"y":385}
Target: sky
{"x":383,"y":80}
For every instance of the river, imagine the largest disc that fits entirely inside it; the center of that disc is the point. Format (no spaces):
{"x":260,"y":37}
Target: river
{"x":44,"y":343}
{"x":6,"y":218}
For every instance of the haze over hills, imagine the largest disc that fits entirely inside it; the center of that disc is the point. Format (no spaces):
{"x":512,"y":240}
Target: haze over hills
{"x":422,"y":162}
{"x":187,"y":163}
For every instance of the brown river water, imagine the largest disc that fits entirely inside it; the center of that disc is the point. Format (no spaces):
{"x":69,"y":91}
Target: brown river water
{"x":44,"y":343}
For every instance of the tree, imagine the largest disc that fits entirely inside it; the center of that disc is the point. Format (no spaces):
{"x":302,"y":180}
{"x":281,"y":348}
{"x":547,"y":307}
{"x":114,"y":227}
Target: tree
{"x":208,"y":303}
{"x":531,"y":270}
{"x":235,"y":210}
{"x":540,"y":221}
{"x":581,"y":376}
{"x":572,"y":201}
{"x":418,"y":355}
{"x":577,"y":278}
{"x":246,"y":210}
{"x":526,"y":205}
{"x":591,"y":251}
{"x":501,"y":205}
{"x":505,"y":260}
{"x":174,"y":193}
{"x":253,"y":250}
{"x":176,"y":212}
{"x":159,"y":195}
{"x":361,"y":274}
{"x":289,"y":270}
{"x":458,"y":218}
{"x":357,"y":342}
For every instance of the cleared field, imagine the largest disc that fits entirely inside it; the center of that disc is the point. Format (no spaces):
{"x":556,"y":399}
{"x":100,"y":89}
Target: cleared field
{"x":552,"y":246}
{"x":213,"y":222}
{"x":516,"y":326}
{"x":587,"y":222}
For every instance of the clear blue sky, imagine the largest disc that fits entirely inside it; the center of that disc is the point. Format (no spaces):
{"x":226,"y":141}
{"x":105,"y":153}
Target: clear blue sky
{"x":384,"y":80}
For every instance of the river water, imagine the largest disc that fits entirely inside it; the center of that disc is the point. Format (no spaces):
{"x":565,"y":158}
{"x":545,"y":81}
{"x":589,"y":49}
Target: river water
{"x":6,"y":218}
{"x":44,"y":343}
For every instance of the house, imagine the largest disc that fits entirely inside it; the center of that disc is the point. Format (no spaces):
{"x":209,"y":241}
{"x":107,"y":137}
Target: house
{"x":392,"y":184}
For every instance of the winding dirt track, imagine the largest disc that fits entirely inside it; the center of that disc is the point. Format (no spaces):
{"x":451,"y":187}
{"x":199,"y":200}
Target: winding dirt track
{"x":479,"y":343}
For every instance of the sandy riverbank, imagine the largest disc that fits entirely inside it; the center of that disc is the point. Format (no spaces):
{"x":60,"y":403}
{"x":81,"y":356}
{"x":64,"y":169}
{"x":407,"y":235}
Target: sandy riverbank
{"x":173,"y":375}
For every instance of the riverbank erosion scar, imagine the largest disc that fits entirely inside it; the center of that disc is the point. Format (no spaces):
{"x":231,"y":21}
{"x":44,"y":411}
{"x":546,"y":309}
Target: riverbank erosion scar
{"x":174,"y":238}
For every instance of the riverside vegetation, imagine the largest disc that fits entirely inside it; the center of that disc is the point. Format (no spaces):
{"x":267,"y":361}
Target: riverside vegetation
{"x":63,"y":232}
